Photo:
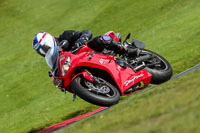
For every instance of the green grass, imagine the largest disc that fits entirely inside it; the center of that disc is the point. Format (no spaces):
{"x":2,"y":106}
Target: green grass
{"x":29,"y":101}
{"x":172,"y":107}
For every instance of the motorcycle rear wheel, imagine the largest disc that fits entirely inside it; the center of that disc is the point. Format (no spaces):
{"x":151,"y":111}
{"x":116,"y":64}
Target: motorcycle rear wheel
{"x":106,"y":95}
{"x":162,"y":71}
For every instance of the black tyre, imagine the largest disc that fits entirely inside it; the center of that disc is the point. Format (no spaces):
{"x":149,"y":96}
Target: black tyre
{"x":102,"y":95}
{"x":158,"y":66}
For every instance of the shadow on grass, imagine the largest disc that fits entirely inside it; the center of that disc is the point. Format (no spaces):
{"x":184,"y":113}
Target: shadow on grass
{"x":77,"y":113}
{"x":72,"y":115}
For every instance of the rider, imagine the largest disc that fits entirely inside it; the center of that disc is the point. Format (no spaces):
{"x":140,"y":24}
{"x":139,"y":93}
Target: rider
{"x":47,"y":45}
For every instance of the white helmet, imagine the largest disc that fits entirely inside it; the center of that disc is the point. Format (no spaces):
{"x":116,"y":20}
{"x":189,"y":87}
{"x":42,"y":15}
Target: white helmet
{"x":45,"y":44}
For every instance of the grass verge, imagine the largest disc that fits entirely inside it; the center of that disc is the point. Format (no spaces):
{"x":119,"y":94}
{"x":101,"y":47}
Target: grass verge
{"x":171,"y":107}
{"x":29,"y":101}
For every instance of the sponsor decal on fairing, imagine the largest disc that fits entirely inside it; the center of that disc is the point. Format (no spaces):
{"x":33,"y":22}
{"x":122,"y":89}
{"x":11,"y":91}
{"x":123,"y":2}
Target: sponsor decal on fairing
{"x":133,"y":79}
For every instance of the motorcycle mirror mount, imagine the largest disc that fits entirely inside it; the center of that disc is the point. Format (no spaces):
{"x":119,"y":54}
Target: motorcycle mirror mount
{"x":127,"y":37}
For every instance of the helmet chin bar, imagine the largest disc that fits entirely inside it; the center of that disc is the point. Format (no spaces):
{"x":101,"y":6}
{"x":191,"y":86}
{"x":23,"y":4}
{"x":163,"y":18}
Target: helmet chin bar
{"x":41,"y":54}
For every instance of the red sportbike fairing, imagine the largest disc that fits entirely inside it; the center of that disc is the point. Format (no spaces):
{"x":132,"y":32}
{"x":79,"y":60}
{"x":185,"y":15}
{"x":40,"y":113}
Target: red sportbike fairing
{"x":102,"y":78}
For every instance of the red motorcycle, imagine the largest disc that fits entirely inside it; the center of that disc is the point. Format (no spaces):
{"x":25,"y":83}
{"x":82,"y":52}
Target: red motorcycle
{"x":101,"y":78}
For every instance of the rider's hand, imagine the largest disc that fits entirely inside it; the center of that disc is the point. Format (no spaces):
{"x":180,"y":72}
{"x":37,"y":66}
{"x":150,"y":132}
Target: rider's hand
{"x":57,"y":82}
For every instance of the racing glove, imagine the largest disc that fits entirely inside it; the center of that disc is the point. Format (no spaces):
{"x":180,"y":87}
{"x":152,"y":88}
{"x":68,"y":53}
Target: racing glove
{"x":57,"y":81}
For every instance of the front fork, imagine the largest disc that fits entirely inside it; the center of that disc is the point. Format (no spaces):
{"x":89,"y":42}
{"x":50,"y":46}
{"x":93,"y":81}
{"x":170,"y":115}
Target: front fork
{"x":87,"y":75}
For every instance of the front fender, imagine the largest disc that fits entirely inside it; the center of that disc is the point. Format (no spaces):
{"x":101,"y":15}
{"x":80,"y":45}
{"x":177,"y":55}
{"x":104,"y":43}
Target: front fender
{"x":85,"y":75}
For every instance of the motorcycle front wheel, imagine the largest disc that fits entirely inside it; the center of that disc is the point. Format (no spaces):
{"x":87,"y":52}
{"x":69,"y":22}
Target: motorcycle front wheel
{"x":103,"y":94}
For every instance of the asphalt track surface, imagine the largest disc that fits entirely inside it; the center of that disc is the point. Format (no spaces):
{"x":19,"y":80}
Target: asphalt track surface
{"x":77,"y":118}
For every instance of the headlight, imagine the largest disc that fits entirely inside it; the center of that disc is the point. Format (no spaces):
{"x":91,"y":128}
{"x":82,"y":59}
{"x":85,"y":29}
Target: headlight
{"x":66,"y":65}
